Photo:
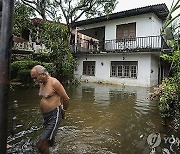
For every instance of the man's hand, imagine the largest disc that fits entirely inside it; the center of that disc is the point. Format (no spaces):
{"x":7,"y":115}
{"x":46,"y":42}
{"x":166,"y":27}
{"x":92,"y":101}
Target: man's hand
{"x":63,"y":114}
{"x":63,"y":111}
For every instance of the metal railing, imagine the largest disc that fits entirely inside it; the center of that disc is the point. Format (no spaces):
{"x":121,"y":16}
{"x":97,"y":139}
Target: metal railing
{"x":26,"y":46}
{"x":150,"y":42}
{"x":29,"y":46}
{"x":116,"y":45}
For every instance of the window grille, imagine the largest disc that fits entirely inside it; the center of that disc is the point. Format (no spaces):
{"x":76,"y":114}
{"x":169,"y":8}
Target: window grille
{"x":89,"y":68}
{"x":124,"y":69}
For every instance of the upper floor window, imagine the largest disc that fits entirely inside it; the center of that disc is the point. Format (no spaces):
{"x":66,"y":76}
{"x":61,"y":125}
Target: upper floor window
{"x":124,"y":69}
{"x":125,"y":31}
{"x":89,"y":68}
{"x":25,"y":34}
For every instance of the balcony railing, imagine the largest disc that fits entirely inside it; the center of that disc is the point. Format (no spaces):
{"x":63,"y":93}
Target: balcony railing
{"x":29,"y":47}
{"x":121,"y":45}
{"x":26,"y":46}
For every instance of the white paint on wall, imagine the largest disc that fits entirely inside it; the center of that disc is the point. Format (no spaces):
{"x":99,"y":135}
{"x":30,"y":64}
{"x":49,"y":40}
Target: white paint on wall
{"x":103,"y":65}
{"x":156,"y":25}
{"x":146,"y":25}
{"x":148,"y":63}
{"x":154,"y":74}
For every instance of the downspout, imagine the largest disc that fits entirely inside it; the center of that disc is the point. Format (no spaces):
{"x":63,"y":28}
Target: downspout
{"x":76,"y":35}
{"x":5,"y":55}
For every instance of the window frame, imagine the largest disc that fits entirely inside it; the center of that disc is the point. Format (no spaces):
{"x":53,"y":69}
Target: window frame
{"x":89,"y":68}
{"x":128,"y":29}
{"x":124,"y":69}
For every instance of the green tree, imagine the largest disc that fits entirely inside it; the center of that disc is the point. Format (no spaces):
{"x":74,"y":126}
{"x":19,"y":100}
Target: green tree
{"x":169,"y":104}
{"x":72,"y":10}
{"x":53,"y":35}
{"x":44,"y":8}
{"x":22,"y":18}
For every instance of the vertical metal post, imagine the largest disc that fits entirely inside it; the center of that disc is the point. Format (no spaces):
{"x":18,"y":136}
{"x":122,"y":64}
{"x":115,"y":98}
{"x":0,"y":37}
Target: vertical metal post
{"x":5,"y":55}
{"x":76,"y":35}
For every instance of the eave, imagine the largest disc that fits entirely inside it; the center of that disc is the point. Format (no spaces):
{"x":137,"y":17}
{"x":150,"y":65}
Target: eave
{"x":160,"y":10}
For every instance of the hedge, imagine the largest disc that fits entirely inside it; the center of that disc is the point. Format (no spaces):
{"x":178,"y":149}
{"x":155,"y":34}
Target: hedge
{"x":20,"y":70}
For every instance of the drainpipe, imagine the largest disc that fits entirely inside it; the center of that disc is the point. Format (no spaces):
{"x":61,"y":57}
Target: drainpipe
{"x":76,"y":35}
{"x":5,"y":55}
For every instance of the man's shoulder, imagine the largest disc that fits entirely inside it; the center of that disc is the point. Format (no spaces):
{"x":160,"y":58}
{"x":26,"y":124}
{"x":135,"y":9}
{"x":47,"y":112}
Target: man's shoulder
{"x":55,"y":81}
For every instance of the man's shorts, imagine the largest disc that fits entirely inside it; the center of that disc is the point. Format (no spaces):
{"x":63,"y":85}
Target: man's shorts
{"x":52,"y":121}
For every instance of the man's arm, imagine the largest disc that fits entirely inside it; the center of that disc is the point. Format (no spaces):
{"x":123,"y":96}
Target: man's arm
{"x":58,"y":87}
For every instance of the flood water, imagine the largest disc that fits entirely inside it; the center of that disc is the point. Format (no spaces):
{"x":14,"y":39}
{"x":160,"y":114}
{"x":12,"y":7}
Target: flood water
{"x":102,"y":119}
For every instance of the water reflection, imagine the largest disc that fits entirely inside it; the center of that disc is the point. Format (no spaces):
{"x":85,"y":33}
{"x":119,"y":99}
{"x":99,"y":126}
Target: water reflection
{"x":102,"y":119}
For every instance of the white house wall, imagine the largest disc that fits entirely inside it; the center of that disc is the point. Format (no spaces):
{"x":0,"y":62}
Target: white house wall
{"x":154,"y":70}
{"x":146,"y":25}
{"x":102,"y":69}
{"x":156,"y":25}
{"x":148,"y":63}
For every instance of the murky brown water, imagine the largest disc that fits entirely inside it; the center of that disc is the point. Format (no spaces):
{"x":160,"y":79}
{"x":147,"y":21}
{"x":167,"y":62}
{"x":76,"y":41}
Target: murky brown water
{"x":102,"y":119}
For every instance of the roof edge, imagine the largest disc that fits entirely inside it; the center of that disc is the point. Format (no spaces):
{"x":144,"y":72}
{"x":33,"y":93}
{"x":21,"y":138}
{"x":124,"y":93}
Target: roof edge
{"x":160,"y":10}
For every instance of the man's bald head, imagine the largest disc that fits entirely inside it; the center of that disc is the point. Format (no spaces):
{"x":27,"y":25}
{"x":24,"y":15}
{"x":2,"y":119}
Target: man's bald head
{"x":39,"y":73}
{"x":39,"y":70}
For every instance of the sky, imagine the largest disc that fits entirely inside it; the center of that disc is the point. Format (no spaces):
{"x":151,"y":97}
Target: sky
{"x":130,"y":4}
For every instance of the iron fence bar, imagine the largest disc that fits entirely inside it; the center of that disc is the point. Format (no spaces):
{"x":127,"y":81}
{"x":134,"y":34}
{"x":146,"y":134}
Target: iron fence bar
{"x":114,"y":45}
{"x":5,"y":54}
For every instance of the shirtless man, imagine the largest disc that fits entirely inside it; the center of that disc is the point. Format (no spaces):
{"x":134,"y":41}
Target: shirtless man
{"x":53,"y":105}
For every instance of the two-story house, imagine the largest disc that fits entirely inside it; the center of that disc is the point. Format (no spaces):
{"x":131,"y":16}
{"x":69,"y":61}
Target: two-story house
{"x":127,"y":50}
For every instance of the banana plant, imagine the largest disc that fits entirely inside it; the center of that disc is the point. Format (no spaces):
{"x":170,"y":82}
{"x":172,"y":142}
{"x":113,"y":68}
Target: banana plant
{"x":169,"y":18}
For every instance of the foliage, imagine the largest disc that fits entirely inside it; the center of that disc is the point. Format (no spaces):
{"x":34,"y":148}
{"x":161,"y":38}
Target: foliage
{"x":72,"y":10}
{"x":169,"y":18}
{"x":54,"y":35}
{"x":169,"y":104}
{"x":42,"y":7}
{"x":21,"y":65}
{"x":50,"y":68}
{"x":59,"y":61}
{"x":169,"y":97}
{"x":20,"y":70}
{"x":22,"y":18}
{"x":24,"y":77}
{"x":68,"y":65}
{"x":41,"y":57}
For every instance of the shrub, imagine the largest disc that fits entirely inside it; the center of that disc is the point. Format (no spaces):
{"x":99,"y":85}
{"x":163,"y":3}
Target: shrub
{"x":20,"y":70}
{"x":21,"y":65}
{"x":51,"y":68}
{"x":24,"y":76}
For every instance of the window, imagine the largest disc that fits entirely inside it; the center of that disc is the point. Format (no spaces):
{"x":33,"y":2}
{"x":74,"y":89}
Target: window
{"x":89,"y":68}
{"x":25,"y":34}
{"x":124,"y":69}
{"x":125,"y":31}
{"x":133,"y":71}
